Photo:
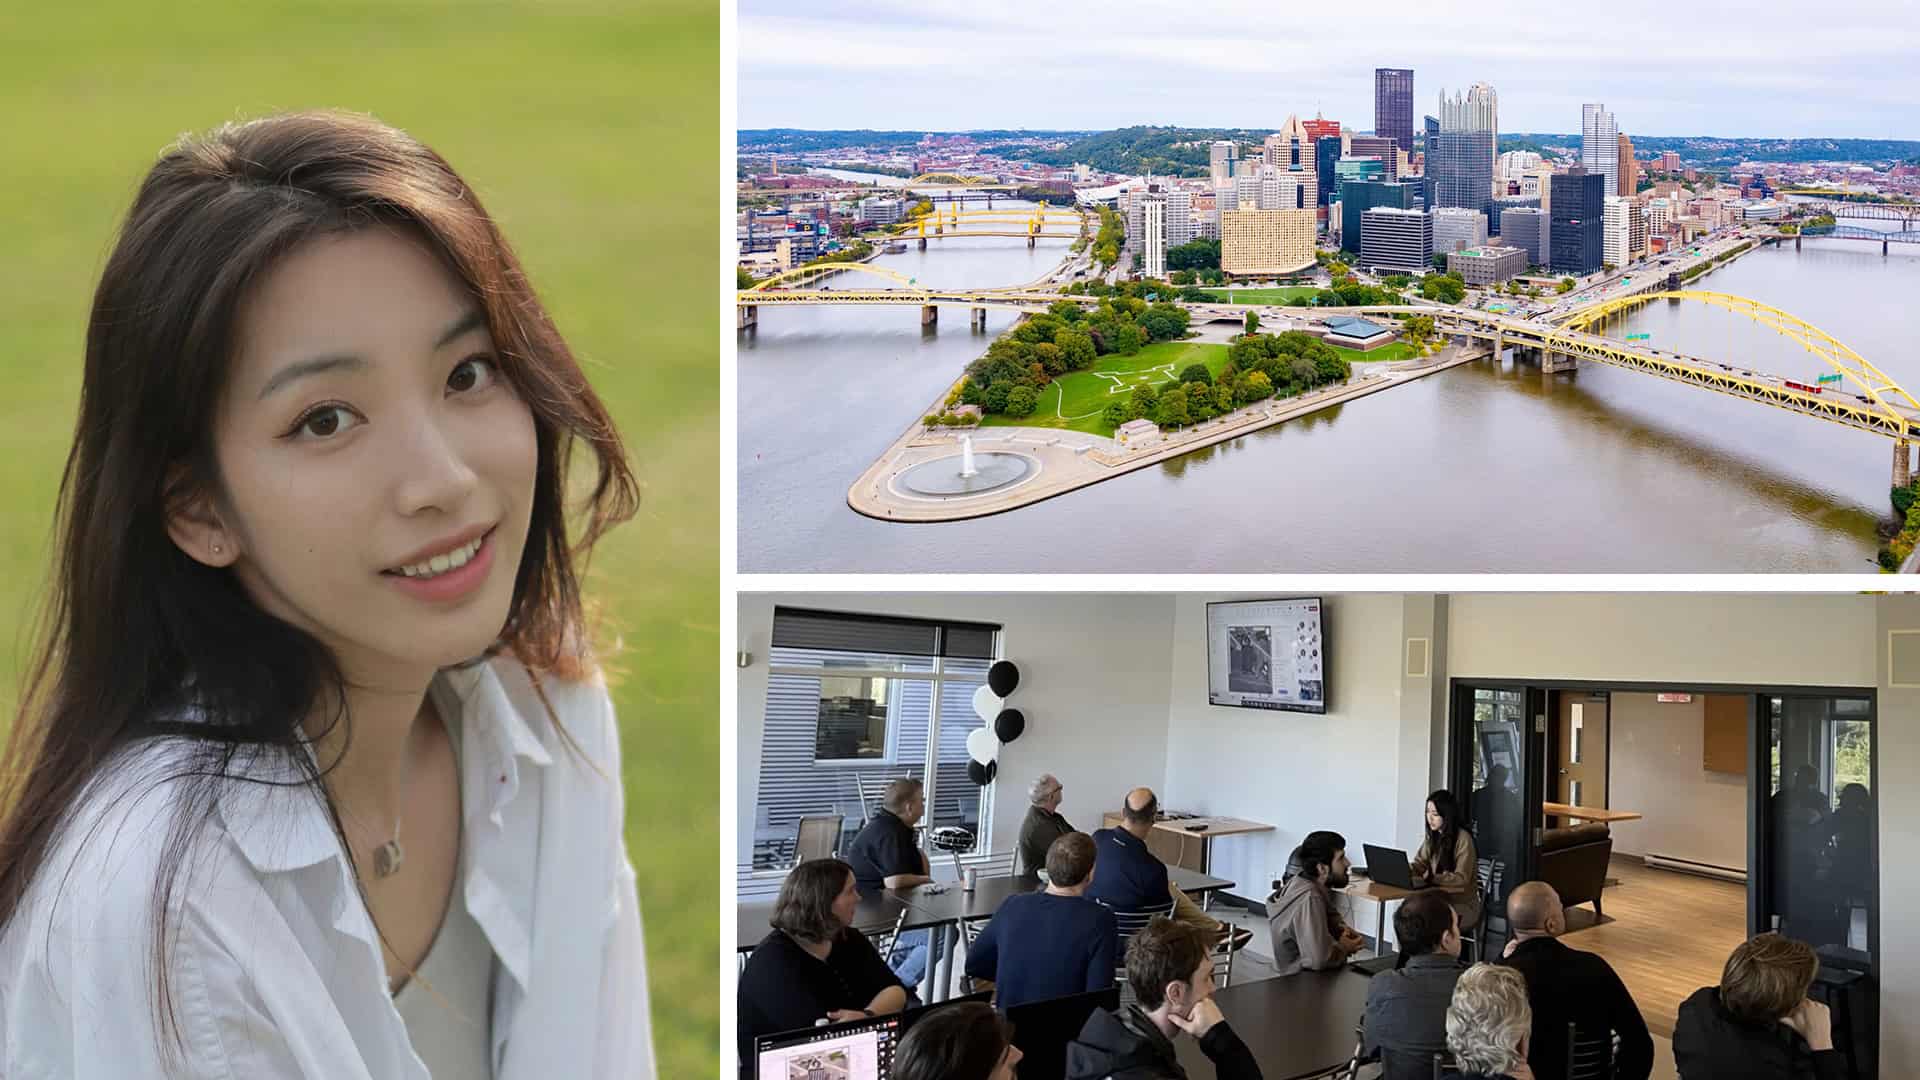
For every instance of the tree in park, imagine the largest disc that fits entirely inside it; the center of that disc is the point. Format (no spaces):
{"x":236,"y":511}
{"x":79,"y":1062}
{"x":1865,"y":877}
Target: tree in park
{"x":1119,"y":412}
{"x":1417,"y":331}
{"x":1076,"y":347}
{"x":1172,"y":409}
{"x":1254,"y":386}
{"x":1145,"y":397}
{"x":1253,"y":322}
{"x":1305,"y":373}
{"x":997,"y":392}
{"x":1223,"y":397}
{"x":1021,"y":401}
{"x":1565,"y":286}
{"x":1052,"y":359}
{"x":1160,"y":326}
{"x":1446,"y":288}
{"x":1180,"y":277}
{"x":742,"y":278}
{"x":1196,"y":373}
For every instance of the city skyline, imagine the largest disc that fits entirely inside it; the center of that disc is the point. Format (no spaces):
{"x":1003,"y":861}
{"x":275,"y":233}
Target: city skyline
{"x":852,"y":64}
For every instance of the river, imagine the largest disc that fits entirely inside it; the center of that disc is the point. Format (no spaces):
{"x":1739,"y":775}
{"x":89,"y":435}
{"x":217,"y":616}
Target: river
{"x":1483,"y":468}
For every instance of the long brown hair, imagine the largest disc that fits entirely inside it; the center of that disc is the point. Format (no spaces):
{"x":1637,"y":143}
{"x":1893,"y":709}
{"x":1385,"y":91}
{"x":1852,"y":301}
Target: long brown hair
{"x":137,"y":639}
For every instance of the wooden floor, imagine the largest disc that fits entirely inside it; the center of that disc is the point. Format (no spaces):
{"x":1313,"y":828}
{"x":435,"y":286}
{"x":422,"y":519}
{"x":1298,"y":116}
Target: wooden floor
{"x":1667,"y":934}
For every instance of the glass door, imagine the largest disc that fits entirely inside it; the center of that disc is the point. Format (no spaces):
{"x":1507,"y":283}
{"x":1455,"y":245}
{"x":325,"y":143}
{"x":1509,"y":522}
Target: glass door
{"x":1496,"y":748}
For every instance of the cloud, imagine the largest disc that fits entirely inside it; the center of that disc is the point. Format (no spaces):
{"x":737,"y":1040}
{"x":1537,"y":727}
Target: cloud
{"x":947,"y":65}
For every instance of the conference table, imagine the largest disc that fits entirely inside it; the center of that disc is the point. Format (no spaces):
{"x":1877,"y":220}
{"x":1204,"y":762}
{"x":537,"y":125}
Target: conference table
{"x":1298,"y":1026}
{"x":1381,"y":894}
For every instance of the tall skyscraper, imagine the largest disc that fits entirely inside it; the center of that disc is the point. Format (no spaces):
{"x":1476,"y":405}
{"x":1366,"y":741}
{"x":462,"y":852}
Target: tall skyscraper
{"x":1359,"y":196}
{"x":1223,"y":157}
{"x":1432,"y":124}
{"x":1475,"y":109}
{"x":1616,"y":232}
{"x":1629,"y":170}
{"x":1393,"y":105}
{"x":1396,"y":239}
{"x":1290,"y":154}
{"x":1376,"y":146}
{"x":1154,"y":220}
{"x":1180,"y":225}
{"x":1461,"y":165}
{"x":1600,"y":144}
{"x":1578,"y":228}
{"x":1326,"y":153}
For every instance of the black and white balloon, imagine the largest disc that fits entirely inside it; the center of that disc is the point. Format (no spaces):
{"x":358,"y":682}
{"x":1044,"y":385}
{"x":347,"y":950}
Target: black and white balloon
{"x":1009,"y":724}
{"x":1003,"y":677}
{"x":982,"y":775}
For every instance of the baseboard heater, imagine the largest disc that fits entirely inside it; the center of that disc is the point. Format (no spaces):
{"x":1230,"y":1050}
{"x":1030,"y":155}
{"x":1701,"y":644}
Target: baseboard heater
{"x":1688,"y":866}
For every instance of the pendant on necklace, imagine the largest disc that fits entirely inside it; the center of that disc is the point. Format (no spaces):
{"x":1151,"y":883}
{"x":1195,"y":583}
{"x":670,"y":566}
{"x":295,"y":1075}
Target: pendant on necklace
{"x":387,"y":858}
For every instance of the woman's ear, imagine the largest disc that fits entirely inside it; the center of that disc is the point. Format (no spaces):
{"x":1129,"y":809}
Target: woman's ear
{"x":194,"y":525}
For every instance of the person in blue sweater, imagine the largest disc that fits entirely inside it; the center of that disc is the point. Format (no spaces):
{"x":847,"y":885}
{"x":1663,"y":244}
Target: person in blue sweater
{"x":1049,"y":944}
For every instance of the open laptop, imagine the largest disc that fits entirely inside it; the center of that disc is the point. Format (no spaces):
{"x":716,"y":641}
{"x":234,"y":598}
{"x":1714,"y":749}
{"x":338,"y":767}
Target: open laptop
{"x":1388,"y":866}
{"x":856,"y":1050}
{"x":1042,"y":1029}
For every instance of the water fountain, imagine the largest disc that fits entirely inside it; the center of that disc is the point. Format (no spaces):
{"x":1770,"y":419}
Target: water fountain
{"x":966,"y":474}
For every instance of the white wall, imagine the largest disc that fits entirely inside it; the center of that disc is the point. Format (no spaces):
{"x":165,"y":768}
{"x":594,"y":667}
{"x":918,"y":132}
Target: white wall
{"x":1655,"y":768}
{"x":1813,"y":640}
{"x":1093,"y":686}
{"x":1898,"y":733}
{"x":1351,"y":770}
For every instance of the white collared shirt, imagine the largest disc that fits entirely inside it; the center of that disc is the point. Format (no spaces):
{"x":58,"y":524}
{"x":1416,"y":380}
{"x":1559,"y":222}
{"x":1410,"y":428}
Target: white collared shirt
{"x":275,"y":968}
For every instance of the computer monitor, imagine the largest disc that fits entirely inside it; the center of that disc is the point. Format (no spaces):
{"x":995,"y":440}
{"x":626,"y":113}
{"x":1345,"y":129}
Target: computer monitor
{"x":1042,"y":1029}
{"x":856,"y":1050}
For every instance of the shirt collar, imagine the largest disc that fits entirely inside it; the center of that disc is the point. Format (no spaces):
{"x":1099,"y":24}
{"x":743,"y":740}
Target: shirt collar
{"x":280,"y":824}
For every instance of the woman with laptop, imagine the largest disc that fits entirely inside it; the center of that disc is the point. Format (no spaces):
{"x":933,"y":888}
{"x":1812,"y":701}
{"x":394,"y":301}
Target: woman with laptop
{"x":1447,"y":859}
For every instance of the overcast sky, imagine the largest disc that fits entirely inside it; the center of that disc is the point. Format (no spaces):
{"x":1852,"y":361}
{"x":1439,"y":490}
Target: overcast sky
{"x":1762,"y":68}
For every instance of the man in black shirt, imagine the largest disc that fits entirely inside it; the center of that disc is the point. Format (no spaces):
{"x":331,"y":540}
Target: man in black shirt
{"x":1569,"y":985}
{"x":1170,"y":968}
{"x":884,"y":856}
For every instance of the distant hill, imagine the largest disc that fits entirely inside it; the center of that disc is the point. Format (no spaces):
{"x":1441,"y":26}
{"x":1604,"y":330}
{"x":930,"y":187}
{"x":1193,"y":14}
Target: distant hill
{"x":1708,"y":151}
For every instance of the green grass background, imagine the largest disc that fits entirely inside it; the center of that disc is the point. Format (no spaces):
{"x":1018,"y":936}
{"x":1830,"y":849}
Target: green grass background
{"x":590,"y":131}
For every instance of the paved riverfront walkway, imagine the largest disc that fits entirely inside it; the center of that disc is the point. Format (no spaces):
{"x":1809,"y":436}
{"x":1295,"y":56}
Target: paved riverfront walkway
{"x":1069,"y":460}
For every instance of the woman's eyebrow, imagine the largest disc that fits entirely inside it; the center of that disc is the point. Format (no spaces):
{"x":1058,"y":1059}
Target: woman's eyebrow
{"x":471,"y":319}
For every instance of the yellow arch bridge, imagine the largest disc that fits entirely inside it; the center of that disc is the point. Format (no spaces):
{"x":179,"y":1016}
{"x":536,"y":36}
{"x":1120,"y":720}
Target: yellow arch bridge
{"x":1039,"y":223}
{"x":1854,"y":393}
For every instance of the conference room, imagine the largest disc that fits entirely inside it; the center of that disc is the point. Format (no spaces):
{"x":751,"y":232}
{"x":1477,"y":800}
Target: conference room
{"x":1684,"y":771}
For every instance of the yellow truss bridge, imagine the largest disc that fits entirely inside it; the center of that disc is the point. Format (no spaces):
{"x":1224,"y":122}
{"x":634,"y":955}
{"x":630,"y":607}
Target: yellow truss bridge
{"x":1038,"y":223}
{"x":1856,"y":394}
{"x":953,"y":180}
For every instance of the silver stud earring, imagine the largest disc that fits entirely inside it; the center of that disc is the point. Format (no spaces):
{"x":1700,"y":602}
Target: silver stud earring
{"x":216,"y":549}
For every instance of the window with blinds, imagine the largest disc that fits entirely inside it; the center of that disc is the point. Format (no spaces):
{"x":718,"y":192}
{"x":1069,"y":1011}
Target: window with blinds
{"x":856,"y":700}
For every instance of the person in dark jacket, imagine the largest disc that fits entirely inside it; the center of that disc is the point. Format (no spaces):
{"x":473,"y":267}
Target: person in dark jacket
{"x":1406,"y":1017}
{"x":1487,"y":1025}
{"x":1043,"y":825}
{"x":814,"y":965}
{"x":1758,"y":1024}
{"x":965,"y":1041}
{"x":1565,"y":985}
{"x":1050,"y":944}
{"x":1171,"y":973}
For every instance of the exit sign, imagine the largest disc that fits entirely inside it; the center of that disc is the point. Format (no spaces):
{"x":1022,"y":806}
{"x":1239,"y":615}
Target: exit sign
{"x":1829,"y":378}
{"x":1673,"y":699}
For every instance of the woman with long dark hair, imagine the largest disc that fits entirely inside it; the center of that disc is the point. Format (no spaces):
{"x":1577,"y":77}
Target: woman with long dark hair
{"x":814,"y":966}
{"x":1447,"y":859}
{"x":316,"y":773}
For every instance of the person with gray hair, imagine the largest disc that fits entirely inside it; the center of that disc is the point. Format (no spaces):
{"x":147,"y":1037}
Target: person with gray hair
{"x":1042,"y":827}
{"x":1488,"y":1024}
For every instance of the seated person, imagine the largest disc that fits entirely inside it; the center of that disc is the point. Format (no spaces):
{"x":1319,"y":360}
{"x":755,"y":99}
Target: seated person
{"x":1406,"y":1017}
{"x":1043,"y":825}
{"x":1487,"y":1025}
{"x":813,"y":965}
{"x":1307,"y":933}
{"x":1447,"y":859}
{"x":1566,"y":985}
{"x":1170,"y":970}
{"x":1049,"y":944}
{"x":884,"y":855}
{"x":965,"y":1041}
{"x":1131,"y":878}
{"x":1758,"y":1022}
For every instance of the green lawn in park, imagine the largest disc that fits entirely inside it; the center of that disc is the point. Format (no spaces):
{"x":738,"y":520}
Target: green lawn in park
{"x":1078,"y":400}
{"x":588,"y":128}
{"x":1279,"y":295}
{"x":1398,"y":350}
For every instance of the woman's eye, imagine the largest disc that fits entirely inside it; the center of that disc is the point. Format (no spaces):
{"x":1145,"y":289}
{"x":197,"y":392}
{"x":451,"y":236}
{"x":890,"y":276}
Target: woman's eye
{"x":324,"y":422}
{"x":473,"y":373}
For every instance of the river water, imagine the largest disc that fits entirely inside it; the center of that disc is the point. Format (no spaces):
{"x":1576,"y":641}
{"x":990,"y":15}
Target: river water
{"x":1482,"y":468}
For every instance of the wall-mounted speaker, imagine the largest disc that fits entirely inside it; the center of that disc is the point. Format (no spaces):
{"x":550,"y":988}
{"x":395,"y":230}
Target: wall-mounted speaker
{"x":1903,"y":658}
{"x":1417,"y":659}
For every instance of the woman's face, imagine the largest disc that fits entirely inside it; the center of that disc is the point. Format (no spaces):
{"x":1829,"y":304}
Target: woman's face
{"x":1004,"y":1069}
{"x":1433,"y":818}
{"x":366,"y":427}
{"x":845,"y":904}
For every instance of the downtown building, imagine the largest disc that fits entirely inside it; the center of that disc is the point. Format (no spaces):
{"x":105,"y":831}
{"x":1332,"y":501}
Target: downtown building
{"x":1359,"y":196}
{"x":1393,"y":106}
{"x":1223,"y":159}
{"x":1456,"y":228}
{"x":1154,"y":238}
{"x":1396,"y":239}
{"x":1600,"y":144}
{"x":1487,"y":265}
{"x":1290,"y":154}
{"x":1624,"y":235}
{"x":1525,"y":228}
{"x":1577,"y":232}
{"x":1380,"y":147}
{"x":1629,"y":169}
{"x":1267,"y":243}
{"x":1475,"y":110}
{"x":1460,"y":164}
{"x":1505,"y":203}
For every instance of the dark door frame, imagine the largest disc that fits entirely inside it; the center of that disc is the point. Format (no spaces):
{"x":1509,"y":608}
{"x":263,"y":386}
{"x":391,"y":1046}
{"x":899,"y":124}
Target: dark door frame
{"x":1759,"y":760}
